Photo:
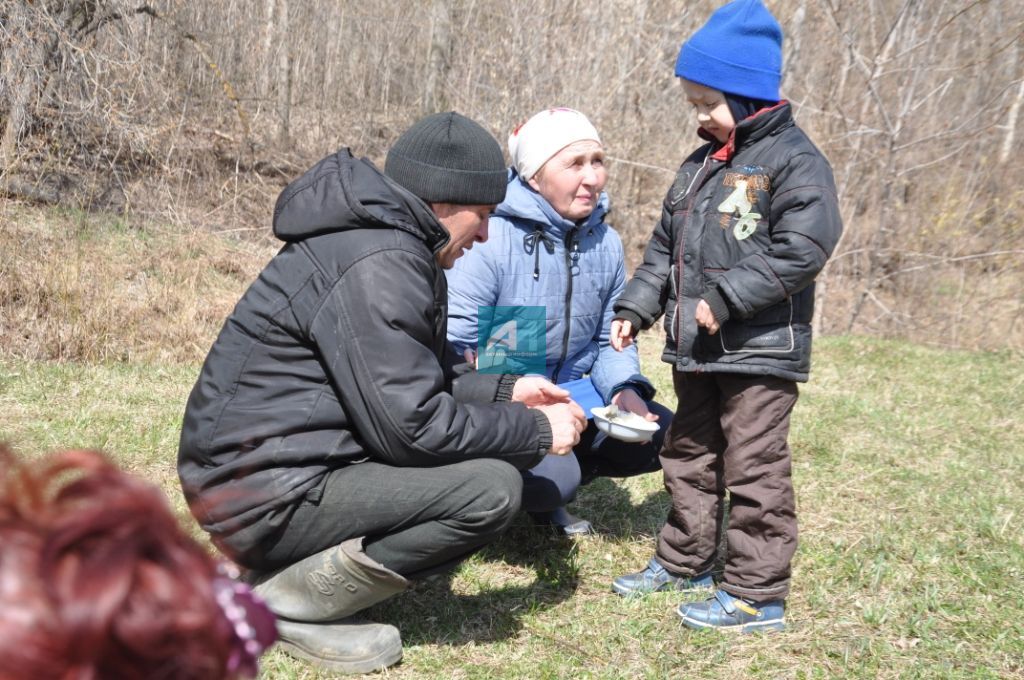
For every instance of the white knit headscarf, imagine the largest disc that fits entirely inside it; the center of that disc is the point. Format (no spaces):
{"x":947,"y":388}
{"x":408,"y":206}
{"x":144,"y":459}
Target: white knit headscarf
{"x":531,"y":144}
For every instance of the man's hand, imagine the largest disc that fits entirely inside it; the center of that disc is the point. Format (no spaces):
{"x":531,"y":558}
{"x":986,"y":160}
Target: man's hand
{"x":567,"y":421}
{"x":621,"y":335}
{"x":706,"y":318}
{"x":629,"y":400}
{"x":536,"y":391}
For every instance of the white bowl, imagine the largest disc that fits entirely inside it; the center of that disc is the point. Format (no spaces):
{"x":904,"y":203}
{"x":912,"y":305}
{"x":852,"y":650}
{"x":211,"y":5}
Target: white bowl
{"x":623,"y":425}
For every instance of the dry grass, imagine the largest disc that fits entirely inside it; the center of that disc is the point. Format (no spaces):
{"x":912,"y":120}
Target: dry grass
{"x":81,"y":287}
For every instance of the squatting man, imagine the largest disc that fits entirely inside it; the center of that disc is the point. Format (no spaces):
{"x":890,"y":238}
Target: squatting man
{"x":334,"y":445}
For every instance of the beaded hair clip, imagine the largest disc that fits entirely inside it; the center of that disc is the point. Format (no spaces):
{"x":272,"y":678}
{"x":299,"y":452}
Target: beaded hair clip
{"x":254,"y":626}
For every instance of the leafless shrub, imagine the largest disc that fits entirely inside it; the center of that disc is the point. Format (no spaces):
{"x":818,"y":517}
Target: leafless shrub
{"x":74,"y":116}
{"x":924,"y":105}
{"x":197,"y":113}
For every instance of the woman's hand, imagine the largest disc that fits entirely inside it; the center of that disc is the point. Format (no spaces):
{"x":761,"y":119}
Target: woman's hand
{"x":629,"y":400}
{"x":621,"y":334}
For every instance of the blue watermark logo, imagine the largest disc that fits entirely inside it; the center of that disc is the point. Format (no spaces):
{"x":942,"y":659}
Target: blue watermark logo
{"x":511,"y":340}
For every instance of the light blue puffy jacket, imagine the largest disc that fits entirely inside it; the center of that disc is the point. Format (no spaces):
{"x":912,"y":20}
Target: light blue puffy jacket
{"x":526,"y":260}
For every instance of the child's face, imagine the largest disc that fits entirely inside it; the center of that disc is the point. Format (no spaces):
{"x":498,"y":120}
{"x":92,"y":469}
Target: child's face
{"x":712,"y":111}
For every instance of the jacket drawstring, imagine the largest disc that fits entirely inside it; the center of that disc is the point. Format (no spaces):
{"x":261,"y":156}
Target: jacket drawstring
{"x":530,"y":245}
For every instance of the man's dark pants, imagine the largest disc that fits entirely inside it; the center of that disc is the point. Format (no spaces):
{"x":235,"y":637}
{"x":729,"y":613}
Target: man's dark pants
{"x":730,"y":433}
{"x":418,"y":520}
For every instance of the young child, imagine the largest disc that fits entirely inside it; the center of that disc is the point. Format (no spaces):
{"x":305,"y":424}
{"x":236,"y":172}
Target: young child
{"x":748,"y":223}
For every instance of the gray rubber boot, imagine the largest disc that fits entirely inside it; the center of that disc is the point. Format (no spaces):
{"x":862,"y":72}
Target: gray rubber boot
{"x":329,"y":585}
{"x":348,"y":646}
{"x":315,"y":598}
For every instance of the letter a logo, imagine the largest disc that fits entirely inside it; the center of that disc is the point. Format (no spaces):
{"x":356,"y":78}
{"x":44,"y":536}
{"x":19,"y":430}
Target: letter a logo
{"x":503,"y":336}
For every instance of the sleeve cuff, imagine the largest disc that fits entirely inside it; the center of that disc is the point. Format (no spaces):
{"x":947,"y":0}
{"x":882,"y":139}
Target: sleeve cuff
{"x":644,"y":389}
{"x":544,"y":436}
{"x":506,"y":384}
{"x":719,"y":307}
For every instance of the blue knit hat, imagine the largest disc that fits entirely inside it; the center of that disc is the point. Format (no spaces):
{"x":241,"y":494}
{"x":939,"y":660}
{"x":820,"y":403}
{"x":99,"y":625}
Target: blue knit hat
{"x":738,"y":50}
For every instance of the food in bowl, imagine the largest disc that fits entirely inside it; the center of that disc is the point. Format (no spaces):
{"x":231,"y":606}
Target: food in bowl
{"x":623,"y":425}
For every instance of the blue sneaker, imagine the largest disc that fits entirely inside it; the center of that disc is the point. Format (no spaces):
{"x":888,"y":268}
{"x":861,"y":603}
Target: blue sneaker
{"x":723,"y":611}
{"x":655,"y":577}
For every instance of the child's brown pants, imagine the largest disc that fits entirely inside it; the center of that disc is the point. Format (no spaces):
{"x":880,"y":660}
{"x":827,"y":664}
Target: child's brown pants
{"x":730,"y":433}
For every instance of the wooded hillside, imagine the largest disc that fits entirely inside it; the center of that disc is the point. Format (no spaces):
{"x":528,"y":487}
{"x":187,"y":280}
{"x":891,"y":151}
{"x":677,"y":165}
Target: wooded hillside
{"x":198,"y":113}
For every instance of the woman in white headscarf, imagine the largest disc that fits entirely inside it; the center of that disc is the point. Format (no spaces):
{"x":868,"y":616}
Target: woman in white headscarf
{"x":549,"y":248}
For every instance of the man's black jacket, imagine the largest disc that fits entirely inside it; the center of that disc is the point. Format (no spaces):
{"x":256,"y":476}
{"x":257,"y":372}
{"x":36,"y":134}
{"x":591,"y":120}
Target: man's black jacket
{"x":337,"y":354}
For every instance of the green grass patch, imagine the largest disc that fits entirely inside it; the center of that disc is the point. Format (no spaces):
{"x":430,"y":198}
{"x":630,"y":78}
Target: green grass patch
{"x":908,"y":465}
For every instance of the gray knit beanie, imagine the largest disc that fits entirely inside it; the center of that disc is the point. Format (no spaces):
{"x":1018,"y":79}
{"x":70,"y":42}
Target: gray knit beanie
{"x":447,"y":158}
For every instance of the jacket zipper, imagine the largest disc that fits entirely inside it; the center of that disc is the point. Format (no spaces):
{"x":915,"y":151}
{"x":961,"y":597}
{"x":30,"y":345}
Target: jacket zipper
{"x":571,"y":247}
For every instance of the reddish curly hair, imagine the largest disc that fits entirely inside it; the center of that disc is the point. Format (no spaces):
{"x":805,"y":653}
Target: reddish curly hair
{"x":98,"y":580}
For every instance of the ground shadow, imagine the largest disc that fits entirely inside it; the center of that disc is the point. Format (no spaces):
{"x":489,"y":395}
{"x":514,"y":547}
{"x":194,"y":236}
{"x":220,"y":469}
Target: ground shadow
{"x":610,"y":509}
{"x":431,"y":613}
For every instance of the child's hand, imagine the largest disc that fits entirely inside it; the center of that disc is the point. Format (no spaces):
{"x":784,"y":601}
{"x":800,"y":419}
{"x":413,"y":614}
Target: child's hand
{"x":629,"y":400}
{"x":621,"y":335}
{"x":706,"y":318}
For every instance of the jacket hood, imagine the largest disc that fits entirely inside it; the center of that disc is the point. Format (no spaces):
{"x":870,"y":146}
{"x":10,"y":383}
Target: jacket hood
{"x":523,"y":202}
{"x":342,"y":192}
